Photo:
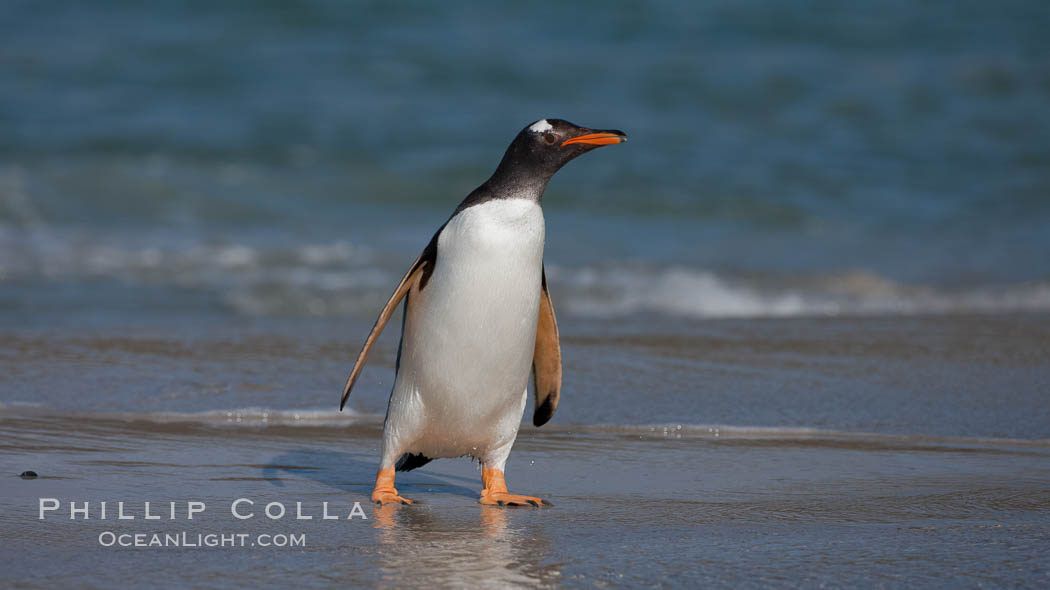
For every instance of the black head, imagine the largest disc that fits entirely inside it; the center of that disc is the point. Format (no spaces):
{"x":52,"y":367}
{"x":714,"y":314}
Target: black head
{"x":542,"y":148}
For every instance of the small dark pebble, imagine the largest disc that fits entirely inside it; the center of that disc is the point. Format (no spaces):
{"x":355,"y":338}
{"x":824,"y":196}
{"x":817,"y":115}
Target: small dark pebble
{"x":28,"y":475}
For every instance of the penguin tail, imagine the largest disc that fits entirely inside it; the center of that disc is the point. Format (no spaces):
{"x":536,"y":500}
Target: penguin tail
{"x":410,"y":461}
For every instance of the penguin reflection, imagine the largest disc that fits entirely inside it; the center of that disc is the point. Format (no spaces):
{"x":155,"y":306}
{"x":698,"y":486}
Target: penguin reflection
{"x":483,"y":549}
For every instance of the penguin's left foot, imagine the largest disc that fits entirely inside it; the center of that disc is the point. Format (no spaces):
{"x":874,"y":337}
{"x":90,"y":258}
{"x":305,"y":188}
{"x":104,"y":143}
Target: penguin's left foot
{"x":504,"y":499}
{"x":385,"y":492}
{"x":496,"y":494}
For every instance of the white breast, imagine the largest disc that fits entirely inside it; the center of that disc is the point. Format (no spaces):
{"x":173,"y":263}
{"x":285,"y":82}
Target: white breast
{"x":468,"y":340}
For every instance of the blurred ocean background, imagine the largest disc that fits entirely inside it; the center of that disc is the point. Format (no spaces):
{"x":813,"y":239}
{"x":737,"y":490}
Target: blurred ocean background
{"x":276,"y":158}
{"x":804,"y":310}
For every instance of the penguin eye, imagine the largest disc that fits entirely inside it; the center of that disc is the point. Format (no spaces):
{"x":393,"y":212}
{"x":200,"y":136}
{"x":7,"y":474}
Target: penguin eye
{"x":550,"y":138}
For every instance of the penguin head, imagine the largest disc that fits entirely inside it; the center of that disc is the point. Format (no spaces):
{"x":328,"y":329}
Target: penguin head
{"x":543,"y":147}
{"x":552,"y":143}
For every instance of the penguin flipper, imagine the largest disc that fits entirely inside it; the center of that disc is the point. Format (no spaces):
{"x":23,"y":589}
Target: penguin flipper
{"x":416,"y":274}
{"x":546,"y":360}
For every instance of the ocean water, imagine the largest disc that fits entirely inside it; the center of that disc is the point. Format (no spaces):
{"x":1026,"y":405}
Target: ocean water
{"x":805,"y":309}
{"x":254,"y":158}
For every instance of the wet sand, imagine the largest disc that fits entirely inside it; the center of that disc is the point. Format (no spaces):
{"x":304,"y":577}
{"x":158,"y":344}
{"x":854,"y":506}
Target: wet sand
{"x":633,"y":507}
{"x":842,"y":452}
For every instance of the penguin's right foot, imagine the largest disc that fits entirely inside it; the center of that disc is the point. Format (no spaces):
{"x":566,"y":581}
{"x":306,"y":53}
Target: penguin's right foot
{"x":384,"y":492}
{"x":390,"y":496}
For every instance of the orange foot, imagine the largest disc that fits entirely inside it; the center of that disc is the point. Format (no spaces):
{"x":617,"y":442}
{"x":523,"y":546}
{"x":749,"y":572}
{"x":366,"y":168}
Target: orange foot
{"x":384,"y":492}
{"x":504,"y":499}
{"x":496,"y":494}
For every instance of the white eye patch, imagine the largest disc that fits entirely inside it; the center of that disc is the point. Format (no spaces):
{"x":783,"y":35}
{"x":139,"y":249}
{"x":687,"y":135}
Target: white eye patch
{"x":540,"y":126}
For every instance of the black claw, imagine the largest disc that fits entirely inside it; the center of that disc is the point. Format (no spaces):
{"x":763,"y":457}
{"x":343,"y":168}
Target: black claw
{"x":501,"y":502}
{"x":404,"y":502}
{"x":379,"y":502}
{"x":534,"y":503}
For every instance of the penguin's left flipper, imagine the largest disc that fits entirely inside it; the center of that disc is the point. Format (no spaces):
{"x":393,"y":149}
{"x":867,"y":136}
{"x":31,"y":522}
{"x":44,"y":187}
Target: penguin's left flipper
{"x":546,"y":359}
{"x":417,"y":273}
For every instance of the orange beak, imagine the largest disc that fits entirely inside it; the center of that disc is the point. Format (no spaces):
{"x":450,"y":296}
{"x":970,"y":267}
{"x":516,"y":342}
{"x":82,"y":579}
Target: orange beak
{"x":602,"y":138}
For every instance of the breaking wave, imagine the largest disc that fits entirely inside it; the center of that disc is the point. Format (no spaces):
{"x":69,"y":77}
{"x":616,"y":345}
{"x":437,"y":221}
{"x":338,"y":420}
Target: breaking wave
{"x":698,"y":293}
{"x":248,"y":416}
{"x":257,"y":416}
{"x":308,"y":418}
{"x":344,"y":279}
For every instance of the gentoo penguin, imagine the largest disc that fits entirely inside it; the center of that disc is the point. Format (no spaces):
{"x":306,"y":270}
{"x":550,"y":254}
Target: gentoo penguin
{"x":477,"y":316}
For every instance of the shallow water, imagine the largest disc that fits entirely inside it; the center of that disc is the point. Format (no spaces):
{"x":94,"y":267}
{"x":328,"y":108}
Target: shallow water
{"x":887,"y":451}
{"x":956,"y":376}
{"x":639,"y":509}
